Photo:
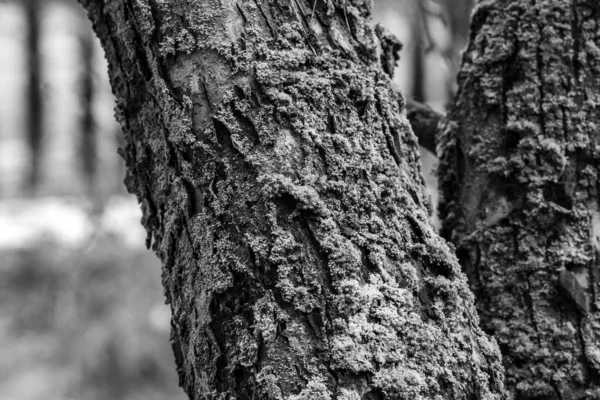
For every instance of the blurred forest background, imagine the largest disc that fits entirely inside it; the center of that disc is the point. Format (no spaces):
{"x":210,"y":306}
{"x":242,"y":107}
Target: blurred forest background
{"x":82,"y":314}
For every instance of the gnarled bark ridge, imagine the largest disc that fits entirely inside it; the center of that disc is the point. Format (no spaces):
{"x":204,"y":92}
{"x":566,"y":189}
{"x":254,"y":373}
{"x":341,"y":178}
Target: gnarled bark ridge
{"x":280,"y":186}
{"x":519,"y":178}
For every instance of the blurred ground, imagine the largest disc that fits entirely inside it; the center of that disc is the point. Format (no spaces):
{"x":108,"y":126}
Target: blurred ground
{"x":82,"y":314}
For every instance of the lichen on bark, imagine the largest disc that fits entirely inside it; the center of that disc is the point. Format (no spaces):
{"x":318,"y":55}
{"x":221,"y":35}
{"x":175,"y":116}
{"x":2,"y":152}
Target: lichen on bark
{"x":519,"y":179}
{"x":280,"y":186}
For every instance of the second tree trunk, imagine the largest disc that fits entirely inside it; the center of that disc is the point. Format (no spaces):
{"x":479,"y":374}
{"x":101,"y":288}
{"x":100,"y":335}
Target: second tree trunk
{"x":519,"y":175}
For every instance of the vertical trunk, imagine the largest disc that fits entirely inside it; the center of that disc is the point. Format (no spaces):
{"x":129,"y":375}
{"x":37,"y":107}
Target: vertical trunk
{"x":418,"y":60}
{"x":519,"y":177}
{"x":280,"y":186}
{"x":34,"y":106}
{"x":87,"y":123}
{"x":458,"y":13}
{"x":119,"y":140}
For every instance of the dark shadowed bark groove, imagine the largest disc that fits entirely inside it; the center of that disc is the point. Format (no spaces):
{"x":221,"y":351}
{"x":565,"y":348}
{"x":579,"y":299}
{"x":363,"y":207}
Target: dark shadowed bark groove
{"x":280,"y":186}
{"x":519,"y":175}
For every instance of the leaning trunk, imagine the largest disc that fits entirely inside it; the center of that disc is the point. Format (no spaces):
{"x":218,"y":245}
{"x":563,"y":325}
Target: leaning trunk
{"x":519,"y":176}
{"x":281,"y":188}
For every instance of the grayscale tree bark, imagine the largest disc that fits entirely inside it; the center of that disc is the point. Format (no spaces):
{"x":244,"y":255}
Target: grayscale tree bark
{"x":519,"y":175}
{"x":280,"y":186}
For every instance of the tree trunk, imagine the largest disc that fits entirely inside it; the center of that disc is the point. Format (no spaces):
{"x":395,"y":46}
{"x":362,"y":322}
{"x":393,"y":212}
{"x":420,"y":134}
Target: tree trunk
{"x":87,"y":123}
{"x":281,"y":188}
{"x":34,"y":104}
{"x":418,"y":35}
{"x":519,"y":178}
{"x":458,"y":13}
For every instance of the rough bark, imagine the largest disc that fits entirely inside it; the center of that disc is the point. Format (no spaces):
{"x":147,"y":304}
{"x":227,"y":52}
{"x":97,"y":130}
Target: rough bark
{"x":519,"y":179}
{"x":280,"y":186}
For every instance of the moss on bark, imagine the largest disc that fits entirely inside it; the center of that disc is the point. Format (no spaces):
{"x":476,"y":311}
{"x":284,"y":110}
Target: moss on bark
{"x":280,"y":186}
{"x":519,"y":178}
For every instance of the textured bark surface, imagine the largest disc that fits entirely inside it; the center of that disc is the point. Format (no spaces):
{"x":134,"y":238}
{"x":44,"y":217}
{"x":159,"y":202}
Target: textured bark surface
{"x":519,"y":178}
{"x":280,"y":186}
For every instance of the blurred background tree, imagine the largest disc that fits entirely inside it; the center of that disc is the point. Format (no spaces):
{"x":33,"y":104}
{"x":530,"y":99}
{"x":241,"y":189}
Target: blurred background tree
{"x":34,"y":104}
{"x":70,"y":237}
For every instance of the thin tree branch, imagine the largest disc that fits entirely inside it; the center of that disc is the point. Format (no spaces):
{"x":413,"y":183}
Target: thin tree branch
{"x":425,"y":122}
